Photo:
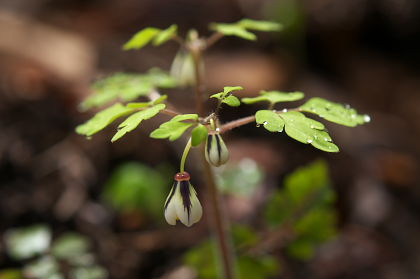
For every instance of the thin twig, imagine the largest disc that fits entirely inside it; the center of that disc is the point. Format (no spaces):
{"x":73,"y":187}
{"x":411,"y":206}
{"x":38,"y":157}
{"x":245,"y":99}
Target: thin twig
{"x":237,"y":123}
{"x":215,"y":37}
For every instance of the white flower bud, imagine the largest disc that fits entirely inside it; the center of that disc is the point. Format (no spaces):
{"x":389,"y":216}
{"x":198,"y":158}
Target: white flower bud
{"x":217,"y":153}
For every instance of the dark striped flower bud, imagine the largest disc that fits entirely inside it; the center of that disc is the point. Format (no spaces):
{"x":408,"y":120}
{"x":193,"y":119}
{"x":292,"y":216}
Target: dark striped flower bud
{"x":217,"y":153}
{"x":182,"y":202}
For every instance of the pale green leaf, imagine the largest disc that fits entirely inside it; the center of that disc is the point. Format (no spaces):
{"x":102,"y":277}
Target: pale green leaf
{"x":141,"y":38}
{"x":103,"y":119}
{"x":274,"y":97}
{"x":165,"y":35}
{"x":135,"y":119}
{"x":233,"y":29}
{"x":174,"y":128}
{"x":188,"y":116}
{"x":171,"y":129}
{"x":127,"y":87}
{"x":308,"y":131}
{"x":260,"y":25}
{"x":24,"y":243}
{"x":232,"y":101}
{"x":335,"y":112}
{"x":138,"y":105}
{"x":270,"y":120}
{"x":160,"y":100}
{"x":219,"y":95}
{"x":198,"y":135}
{"x":229,"y":89}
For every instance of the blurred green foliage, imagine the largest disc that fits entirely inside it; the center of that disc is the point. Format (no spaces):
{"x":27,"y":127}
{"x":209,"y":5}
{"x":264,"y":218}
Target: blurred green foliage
{"x":137,"y":186}
{"x":47,"y":259}
{"x":240,"y":179}
{"x":305,"y":204}
{"x":204,"y":258}
{"x":303,"y":208}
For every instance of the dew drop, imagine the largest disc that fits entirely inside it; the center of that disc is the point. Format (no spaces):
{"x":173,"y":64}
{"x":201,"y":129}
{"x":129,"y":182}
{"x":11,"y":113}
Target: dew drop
{"x":353,"y":116}
{"x":217,"y":129}
{"x":309,"y":140}
{"x":312,"y":127}
{"x":284,"y":110}
{"x":265,"y":123}
{"x":258,"y":125}
{"x":366,"y":118}
{"x":326,"y":139}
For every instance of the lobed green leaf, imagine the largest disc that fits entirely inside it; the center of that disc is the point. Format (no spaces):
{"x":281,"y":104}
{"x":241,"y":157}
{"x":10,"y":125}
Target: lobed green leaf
{"x":103,"y":119}
{"x":127,"y":87}
{"x":165,"y":35}
{"x":274,"y":97}
{"x":335,"y":112}
{"x":270,"y":120}
{"x":135,"y":119}
{"x":308,"y":131}
{"x":232,"y":101}
{"x":260,"y":25}
{"x":198,"y":135}
{"x":141,"y":38}
{"x":233,"y":29}
{"x":174,"y":128}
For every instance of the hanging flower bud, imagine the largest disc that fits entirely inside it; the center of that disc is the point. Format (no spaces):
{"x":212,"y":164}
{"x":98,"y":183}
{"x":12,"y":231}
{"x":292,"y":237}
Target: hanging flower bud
{"x":182,"y":202}
{"x":216,"y":151}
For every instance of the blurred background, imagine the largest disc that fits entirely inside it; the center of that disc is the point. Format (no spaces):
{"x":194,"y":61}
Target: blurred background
{"x":77,"y":208}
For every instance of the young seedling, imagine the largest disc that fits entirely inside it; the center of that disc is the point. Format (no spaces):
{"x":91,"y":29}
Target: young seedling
{"x":204,"y":131}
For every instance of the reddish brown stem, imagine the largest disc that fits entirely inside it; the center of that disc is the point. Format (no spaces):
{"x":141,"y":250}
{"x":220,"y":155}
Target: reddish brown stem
{"x":236,"y":123}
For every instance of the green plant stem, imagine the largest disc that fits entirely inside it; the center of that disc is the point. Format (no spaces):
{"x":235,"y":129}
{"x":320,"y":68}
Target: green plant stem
{"x":184,"y":156}
{"x":220,"y":226}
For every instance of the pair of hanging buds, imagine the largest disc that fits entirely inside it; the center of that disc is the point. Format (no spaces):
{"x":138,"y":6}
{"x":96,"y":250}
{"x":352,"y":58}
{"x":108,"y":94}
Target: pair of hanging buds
{"x":182,"y":202}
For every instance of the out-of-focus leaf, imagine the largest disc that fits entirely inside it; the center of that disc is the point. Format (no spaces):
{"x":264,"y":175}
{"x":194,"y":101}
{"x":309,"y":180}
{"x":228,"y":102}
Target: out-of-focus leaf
{"x":135,"y":119}
{"x":306,"y":205}
{"x":241,"y":179}
{"x":260,"y":25}
{"x":233,"y":29}
{"x":127,"y":87}
{"x":198,"y":135}
{"x":136,"y":186}
{"x":261,"y":267}
{"x":11,"y":274}
{"x":335,"y":112}
{"x":70,"y":245}
{"x":270,"y":120}
{"x":45,"y":268}
{"x":92,"y":272}
{"x":203,"y":258}
{"x":308,"y":131}
{"x":102,"y":119}
{"x":174,"y":128}
{"x":243,"y":236}
{"x":141,"y":38}
{"x":165,"y":35}
{"x":24,"y":243}
{"x":274,"y":97}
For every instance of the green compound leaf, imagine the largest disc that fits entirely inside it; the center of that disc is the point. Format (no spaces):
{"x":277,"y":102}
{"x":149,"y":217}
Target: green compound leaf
{"x":232,"y":101}
{"x":135,"y":119}
{"x":103,"y":119}
{"x":242,"y":27}
{"x":24,"y":243}
{"x":260,"y":25}
{"x":270,"y":120}
{"x":274,"y":97}
{"x":141,"y":38}
{"x":226,"y":96}
{"x":198,"y":135}
{"x":308,"y":131}
{"x":127,"y":87}
{"x":335,"y":112}
{"x":233,"y":29}
{"x":174,"y":128}
{"x":165,"y":35}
